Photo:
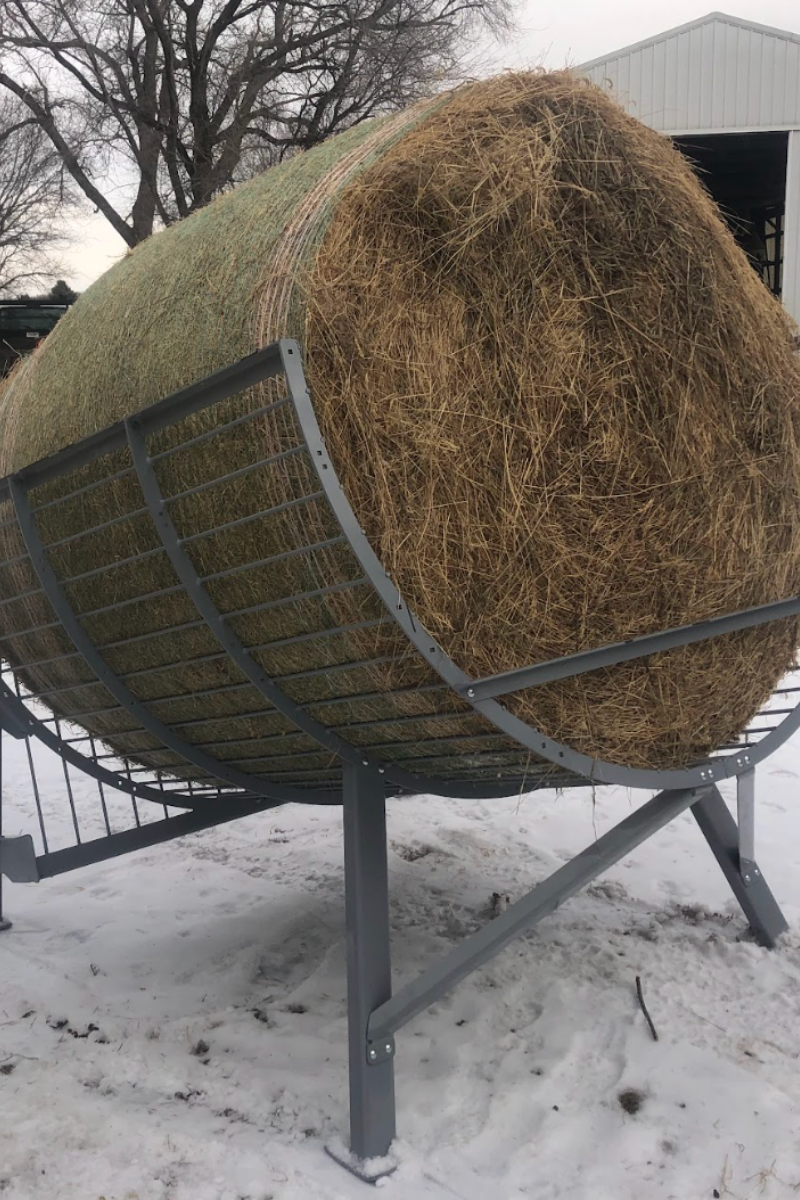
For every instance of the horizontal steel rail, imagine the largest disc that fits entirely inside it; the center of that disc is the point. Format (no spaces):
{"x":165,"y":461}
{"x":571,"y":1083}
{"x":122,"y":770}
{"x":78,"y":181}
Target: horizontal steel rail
{"x":74,"y":493}
{"x":247,"y":372}
{"x":286,"y":506}
{"x":37,"y":591}
{"x":620,"y":652}
{"x":106,"y":567}
{"x":229,"y":476}
{"x":185,"y":626}
{"x":120,"y":519}
{"x":216,"y":430}
{"x":310,"y":673}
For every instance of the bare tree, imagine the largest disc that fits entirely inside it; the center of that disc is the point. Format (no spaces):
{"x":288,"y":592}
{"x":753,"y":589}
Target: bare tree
{"x":155,"y":106}
{"x":31,"y":193}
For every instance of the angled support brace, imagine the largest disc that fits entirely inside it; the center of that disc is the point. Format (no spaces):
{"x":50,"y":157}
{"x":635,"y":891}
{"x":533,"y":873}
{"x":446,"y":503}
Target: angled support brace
{"x":729,"y":844}
{"x":477,"y":949}
{"x":166,"y":829}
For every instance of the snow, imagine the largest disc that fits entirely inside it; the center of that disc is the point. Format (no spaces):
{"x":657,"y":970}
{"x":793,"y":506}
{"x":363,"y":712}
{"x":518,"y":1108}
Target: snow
{"x":172,"y":1023}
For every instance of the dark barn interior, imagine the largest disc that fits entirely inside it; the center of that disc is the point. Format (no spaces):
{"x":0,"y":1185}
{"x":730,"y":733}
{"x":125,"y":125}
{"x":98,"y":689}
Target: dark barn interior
{"x":746,"y":175}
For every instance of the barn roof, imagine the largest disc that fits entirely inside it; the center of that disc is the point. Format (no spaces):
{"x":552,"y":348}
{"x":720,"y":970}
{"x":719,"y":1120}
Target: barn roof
{"x":716,"y":74}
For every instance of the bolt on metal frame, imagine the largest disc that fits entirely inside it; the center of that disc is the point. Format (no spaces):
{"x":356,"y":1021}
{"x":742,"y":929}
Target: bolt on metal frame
{"x":200,"y":787}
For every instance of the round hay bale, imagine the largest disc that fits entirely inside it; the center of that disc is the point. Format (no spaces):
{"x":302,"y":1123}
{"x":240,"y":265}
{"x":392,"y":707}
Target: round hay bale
{"x":562,"y":405}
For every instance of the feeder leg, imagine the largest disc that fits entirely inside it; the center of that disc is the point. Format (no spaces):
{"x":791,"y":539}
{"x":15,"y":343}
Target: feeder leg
{"x":748,"y":884}
{"x":369,"y":977}
{"x":4,"y":924}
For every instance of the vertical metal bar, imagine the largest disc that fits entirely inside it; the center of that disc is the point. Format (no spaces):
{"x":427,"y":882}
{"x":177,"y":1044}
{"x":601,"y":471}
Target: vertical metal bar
{"x":68,"y":782}
{"x":369,"y":976}
{"x":757,"y":902}
{"x":127,"y":768}
{"x":34,"y":781}
{"x":4,"y":924}
{"x":100,"y":788}
{"x":778,"y":251}
{"x":160,"y":778}
{"x":745,"y":815}
{"x":37,"y":796}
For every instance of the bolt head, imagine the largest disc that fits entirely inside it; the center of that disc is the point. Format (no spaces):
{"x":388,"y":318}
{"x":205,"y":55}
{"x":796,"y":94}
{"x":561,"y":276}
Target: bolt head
{"x":373,"y":1053}
{"x":471,"y":692}
{"x":388,"y":1048}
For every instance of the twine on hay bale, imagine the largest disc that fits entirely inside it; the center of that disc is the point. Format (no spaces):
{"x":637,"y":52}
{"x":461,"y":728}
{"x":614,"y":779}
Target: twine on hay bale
{"x":563,"y":406}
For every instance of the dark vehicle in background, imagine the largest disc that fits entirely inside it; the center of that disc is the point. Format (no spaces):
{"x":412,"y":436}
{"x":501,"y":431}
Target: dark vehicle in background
{"x":23,"y":324}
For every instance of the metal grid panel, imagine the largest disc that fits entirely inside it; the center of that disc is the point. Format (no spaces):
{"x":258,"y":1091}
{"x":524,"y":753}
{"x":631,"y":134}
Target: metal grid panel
{"x":269,"y":729}
{"x":78,"y":805}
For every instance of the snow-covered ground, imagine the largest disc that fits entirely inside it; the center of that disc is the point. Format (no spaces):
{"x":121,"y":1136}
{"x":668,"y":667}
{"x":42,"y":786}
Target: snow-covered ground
{"x":172,"y":1024}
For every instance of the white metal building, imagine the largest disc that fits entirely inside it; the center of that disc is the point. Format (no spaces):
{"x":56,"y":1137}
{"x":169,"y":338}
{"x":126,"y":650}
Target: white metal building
{"x":728,"y":92}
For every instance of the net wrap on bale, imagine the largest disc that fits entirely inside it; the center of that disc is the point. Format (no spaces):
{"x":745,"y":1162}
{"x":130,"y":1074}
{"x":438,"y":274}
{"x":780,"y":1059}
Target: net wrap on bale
{"x":561,"y":403}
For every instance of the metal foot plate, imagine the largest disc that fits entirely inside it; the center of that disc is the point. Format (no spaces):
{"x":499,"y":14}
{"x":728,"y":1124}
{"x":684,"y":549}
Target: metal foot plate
{"x":368,"y":1170}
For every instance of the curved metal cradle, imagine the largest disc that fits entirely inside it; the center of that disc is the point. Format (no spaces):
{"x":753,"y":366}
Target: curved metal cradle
{"x":555,"y":763}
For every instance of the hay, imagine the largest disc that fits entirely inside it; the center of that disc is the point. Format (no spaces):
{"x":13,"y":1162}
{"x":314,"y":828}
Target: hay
{"x":561,"y":403}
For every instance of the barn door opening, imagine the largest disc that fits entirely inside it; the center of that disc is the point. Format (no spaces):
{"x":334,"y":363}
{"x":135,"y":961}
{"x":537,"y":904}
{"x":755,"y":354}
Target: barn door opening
{"x":746,"y":175}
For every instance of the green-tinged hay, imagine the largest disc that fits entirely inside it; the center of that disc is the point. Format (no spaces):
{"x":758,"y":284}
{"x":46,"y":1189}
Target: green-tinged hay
{"x":563,"y":406}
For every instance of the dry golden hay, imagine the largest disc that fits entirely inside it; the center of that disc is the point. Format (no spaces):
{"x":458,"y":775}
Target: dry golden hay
{"x":563,"y":406}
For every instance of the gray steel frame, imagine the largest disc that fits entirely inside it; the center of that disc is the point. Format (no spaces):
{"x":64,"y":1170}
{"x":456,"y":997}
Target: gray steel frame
{"x":376,"y":1016}
{"x":283,"y":359}
{"x":226,"y":792}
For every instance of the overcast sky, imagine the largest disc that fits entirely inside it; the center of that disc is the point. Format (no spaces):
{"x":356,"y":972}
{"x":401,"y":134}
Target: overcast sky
{"x":554,"y":34}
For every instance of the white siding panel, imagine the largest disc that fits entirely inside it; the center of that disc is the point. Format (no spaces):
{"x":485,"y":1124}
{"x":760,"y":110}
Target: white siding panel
{"x":670,"y":82}
{"x":765,"y":82}
{"x":757,"y":50}
{"x":778,"y":81}
{"x":743,"y":102}
{"x":635,"y":66}
{"x":791,"y":97}
{"x":694,"y":57}
{"x":680,"y":84}
{"x":709,"y":78}
{"x":659,"y":80}
{"x":791,"y":246}
{"x":624,"y":74}
{"x":720,"y":54}
{"x":719,"y":74}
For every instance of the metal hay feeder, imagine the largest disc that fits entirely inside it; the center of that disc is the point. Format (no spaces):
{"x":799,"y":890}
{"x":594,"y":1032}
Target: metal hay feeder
{"x":200,"y":789}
